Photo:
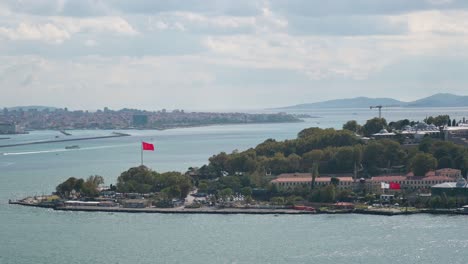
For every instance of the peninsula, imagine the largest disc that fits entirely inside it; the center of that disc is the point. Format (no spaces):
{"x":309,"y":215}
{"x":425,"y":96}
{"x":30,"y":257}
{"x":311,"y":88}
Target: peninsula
{"x":366,"y":169}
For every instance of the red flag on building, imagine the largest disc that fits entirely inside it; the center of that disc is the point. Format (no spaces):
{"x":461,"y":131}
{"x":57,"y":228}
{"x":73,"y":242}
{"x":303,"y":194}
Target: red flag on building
{"x":395,"y":186}
{"x":147,"y":146}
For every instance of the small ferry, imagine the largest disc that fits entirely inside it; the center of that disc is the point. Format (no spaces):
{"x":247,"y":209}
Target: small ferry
{"x":72,"y":147}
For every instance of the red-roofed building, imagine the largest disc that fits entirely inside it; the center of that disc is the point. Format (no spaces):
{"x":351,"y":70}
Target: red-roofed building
{"x":408,"y":182}
{"x":292,"y":180}
{"x":448,"y":172}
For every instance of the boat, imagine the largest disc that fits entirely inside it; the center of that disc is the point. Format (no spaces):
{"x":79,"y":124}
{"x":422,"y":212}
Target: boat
{"x":72,"y":147}
{"x":65,"y":133}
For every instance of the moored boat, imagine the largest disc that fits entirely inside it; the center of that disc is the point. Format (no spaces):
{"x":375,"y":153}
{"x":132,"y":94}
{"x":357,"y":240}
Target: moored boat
{"x":72,"y":147}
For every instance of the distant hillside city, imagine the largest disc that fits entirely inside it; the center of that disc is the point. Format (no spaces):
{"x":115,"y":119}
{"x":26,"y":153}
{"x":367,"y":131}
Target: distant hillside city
{"x":19,"y":120}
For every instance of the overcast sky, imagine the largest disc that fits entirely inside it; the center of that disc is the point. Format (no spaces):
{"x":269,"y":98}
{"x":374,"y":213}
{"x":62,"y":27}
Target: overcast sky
{"x":87,"y":54}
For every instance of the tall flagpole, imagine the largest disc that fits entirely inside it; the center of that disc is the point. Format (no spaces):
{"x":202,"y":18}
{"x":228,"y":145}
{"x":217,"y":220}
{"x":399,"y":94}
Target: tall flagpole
{"x":141,"y":146}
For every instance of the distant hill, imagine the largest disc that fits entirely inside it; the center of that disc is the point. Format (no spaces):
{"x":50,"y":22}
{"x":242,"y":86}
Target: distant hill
{"x":440,"y":100}
{"x":436,"y":100}
{"x":357,"y":102}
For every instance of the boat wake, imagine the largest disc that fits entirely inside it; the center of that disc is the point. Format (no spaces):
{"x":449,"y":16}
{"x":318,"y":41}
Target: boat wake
{"x":6,"y":164}
{"x":63,"y":150}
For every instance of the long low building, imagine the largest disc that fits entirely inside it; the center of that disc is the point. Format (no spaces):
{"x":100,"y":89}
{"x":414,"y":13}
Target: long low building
{"x":407,"y":182}
{"x":293,"y":180}
{"x":346,"y":181}
{"x":411,"y":182}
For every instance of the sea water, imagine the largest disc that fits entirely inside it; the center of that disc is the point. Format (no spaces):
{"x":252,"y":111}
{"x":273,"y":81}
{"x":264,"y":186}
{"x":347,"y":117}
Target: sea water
{"x":34,"y":235}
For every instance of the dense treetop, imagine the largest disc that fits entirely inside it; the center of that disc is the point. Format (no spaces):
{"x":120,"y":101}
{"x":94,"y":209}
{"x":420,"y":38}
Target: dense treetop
{"x":336,"y":151}
{"x":144,"y":180}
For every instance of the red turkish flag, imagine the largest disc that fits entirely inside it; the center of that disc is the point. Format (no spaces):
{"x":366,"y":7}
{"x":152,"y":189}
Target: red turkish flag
{"x":395,"y":186}
{"x":147,"y":146}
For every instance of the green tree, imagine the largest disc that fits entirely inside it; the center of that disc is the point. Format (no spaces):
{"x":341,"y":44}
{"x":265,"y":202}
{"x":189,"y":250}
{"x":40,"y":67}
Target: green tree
{"x":393,"y":153}
{"x":225,"y":194}
{"x":218,"y":162}
{"x":65,"y":188}
{"x":344,"y":159}
{"x":269,"y":148}
{"x":136,"y":179}
{"x":373,"y":126}
{"x":373,"y":157}
{"x":294,"y":162}
{"x":90,"y":186}
{"x":436,"y":202}
{"x":353,"y":126}
{"x":291,"y":200}
{"x":231,"y":182}
{"x":311,"y":157}
{"x":277,"y":200}
{"x":423,"y":163}
{"x":328,"y":193}
{"x":335,"y":181}
{"x":452,"y":202}
{"x":202,"y":187}
{"x":440,"y":120}
{"x":143,"y":180}
{"x":172,"y":192}
{"x":445,"y":162}
{"x":309,"y":132}
{"x":241,"y":162}
{"x":426,"y":144}
{"x":398,"y":125}
{"x":247,"y":191}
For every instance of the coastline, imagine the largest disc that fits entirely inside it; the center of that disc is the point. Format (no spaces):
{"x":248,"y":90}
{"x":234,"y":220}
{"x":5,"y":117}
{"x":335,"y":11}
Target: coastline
{"x":181,"y":210}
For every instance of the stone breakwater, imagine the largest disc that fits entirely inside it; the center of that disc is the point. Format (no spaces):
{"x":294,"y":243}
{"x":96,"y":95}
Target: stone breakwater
{"x":64,"y":140}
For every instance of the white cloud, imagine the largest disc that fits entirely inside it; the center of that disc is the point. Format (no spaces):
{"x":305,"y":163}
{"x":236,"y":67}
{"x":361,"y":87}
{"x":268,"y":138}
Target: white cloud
{"x":47,"y":32}
{"x":318,"y":57}
{"x":96,"y":25}
{"x":153,"y":80}
{"x":204,"y":55}
{"x":58,"y":29}
{"x":265,"y":20}
{"x":437,"y":22}
{"x":90,"y":43}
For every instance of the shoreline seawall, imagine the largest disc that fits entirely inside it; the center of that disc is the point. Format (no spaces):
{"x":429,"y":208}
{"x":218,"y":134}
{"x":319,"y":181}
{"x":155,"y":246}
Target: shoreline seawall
{"x":164,"y":210}
{"x":180,"y":210}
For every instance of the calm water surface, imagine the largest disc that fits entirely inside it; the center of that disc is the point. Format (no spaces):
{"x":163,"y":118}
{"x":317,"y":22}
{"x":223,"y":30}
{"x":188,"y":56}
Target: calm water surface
{"x":31,"y":235}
